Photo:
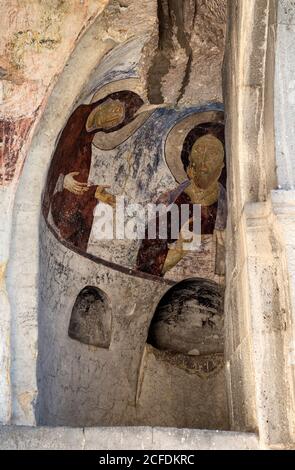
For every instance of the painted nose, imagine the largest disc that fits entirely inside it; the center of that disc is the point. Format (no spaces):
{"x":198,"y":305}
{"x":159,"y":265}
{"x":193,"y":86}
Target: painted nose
{"x":203,"y":166}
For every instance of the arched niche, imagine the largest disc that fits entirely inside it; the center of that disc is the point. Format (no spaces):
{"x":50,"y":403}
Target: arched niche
{"x":182,"y":374}
{"x":91,"y":321}
{"x":189,"y":319}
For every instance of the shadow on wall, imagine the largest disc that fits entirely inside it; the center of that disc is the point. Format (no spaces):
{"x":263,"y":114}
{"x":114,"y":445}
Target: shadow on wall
{"x":189,"y":319}
{"x":90,"y":321}
{"x":182,"y":374}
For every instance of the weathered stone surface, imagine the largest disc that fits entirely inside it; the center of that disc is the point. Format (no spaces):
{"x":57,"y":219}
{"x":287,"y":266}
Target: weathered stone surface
{"x":91,"y":48}
{"x":25,"y":438}
{"x":182,"y":322}
{"x":190,"y":48}
{"x":171,"y":389}
{"x":38,"y":38}
{"x":182,"y":439}
{"x":286,"y":12}
{"x":285,"y":105}
{"x":118,"y":438}
{"x":80,"y":384}
{"x":259,"y":317}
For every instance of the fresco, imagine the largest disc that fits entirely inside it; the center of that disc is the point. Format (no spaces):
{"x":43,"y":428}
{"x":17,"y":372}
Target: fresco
{"x":118,"y":145}
{"x":69,"y":197}
{"x":144,"y":316}
{"x":202,"y":163}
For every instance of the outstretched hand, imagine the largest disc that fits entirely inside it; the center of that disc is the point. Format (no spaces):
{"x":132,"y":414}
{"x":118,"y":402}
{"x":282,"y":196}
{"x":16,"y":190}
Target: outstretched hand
{"x":103,"y":196}
{"x":74,"y":186}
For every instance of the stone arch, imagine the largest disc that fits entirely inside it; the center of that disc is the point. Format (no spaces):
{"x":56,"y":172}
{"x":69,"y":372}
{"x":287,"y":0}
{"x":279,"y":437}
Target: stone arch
{"x":24,"y":244}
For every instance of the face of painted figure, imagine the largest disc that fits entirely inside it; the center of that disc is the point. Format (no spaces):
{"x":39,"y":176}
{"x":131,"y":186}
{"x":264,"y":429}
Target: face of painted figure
{"x":206,"y":161}
{"x":106,"y":116}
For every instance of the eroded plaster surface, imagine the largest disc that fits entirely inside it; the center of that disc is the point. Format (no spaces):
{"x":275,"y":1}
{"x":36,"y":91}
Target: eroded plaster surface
{"x":116,"y":384}
{"x":182,"y":47}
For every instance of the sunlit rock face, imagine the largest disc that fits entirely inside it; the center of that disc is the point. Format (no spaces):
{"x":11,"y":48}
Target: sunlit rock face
{"x":190,"y":49}
{"x":37,"y":39}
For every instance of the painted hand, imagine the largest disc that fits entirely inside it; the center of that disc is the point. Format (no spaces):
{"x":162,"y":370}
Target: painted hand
{"x":176,"y":250}
{"x":74,"y":186}
{"x":103,"y":196}
{"x":174,"y":255}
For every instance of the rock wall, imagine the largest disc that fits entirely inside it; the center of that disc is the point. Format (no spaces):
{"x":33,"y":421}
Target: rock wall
{"x":37,"y":39}
{"x":259,"y":322}
{"x":32,"y":309}
{"x":36,"y":51}
{"x":49,"y":52}
{"x":81,"y":384}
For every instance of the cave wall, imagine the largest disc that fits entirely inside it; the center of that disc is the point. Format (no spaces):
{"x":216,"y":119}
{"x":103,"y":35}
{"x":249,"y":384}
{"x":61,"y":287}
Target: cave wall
{"x":80,"y":384}
{"x":37,"y":50}
{"x":19,"y":309}
{"x":49,"y":52}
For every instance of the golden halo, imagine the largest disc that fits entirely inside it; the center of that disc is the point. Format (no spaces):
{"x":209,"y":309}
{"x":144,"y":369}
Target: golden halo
{"x":111,"y":140}
{"x":177,"y":135}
